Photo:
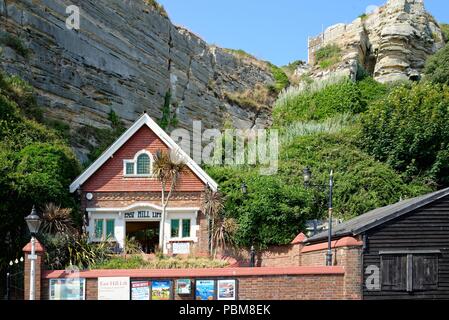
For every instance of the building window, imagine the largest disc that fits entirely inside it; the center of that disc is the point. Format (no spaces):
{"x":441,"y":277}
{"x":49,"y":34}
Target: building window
{"x":104,"y":229}
{"x":98,"y":223}
{"x":180,"y":228}
{"x":174,"y":228}
{"x":110,"y":226}
{"x":186,"y":228}
{"x":129,"y":168}
{"x":140,"y":166}
{"x":409,"y":272}
{"x":143,"y":164}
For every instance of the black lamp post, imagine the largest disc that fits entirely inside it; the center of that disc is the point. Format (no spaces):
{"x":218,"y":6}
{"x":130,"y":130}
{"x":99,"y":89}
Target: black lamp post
{"x":307,"y":173}
{"x":33,"y":222}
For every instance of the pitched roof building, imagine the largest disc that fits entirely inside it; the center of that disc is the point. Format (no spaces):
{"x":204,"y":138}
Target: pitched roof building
{"x":122,"y":197}
{"x":405,"y":248}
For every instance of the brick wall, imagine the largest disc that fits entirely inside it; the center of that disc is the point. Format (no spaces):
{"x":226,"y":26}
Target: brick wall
{"x":294,"y":283}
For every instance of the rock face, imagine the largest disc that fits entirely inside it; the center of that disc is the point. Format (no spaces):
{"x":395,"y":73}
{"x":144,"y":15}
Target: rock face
{"x":125,"y":57}
{"x":392,"y":43}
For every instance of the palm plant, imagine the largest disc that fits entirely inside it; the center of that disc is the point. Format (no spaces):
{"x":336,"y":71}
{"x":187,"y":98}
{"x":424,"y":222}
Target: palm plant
{"x":167,"y":167}
{"x":213,"y":205}
{"x":57,"y":220}
{"x":223,"y":234}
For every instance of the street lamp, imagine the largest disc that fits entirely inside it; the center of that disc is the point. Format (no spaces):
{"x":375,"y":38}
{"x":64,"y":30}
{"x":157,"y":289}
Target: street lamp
{"x":307,"y":173}
{"x":33,"y":222}
{"x":244,"y":188}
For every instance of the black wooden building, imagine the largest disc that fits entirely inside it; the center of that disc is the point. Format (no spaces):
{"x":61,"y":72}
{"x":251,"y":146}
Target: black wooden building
{"x":405,"y":245}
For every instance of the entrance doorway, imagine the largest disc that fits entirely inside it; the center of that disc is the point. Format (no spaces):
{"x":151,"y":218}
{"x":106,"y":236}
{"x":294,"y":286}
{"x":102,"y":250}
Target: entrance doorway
{"x":145,"y":233}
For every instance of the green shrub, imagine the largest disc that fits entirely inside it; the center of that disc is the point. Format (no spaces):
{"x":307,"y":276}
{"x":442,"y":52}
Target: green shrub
{"x":328,"y":56}
{"x":275,"y":207}
{"x":342,"y":97}
{"x":409,"y":130}
{"x":281,"y":79}
{"x":361,"y":182}
{"x":437,"y":67}
{"x":271,"y":213}
{"x":36,"y":165}
{"x":64,"y":250}
{"x":372,"y":90}
{"x":168,"y":119}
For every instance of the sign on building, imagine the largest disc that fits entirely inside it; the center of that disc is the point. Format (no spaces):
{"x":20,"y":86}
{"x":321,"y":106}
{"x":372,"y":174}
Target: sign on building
{"x":113,"y":288}
{"x":181,"y":248}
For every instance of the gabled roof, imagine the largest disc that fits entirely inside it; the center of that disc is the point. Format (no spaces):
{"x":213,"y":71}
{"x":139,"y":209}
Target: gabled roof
{"x":379,"y":216}
{"x":143,"y":120}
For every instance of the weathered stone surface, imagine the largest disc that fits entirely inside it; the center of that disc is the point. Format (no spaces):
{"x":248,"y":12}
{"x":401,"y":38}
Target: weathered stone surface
{"x":125,"y":57}
{"x":392,"y":43}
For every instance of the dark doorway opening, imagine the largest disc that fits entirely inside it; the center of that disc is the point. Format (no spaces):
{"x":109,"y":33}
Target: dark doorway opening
{"x":145,"y":233}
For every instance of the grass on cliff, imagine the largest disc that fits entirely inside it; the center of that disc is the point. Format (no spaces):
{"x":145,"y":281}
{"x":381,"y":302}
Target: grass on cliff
{"x":445,"y":28}
{"x":328,"y":56}
{"x":324,"y":99}
{"x":257,"y":98}
{"x":14,"y":43}
{"x":158,"y":7}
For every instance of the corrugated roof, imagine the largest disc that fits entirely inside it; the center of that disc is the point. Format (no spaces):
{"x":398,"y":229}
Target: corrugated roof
{"x":379,"y":216}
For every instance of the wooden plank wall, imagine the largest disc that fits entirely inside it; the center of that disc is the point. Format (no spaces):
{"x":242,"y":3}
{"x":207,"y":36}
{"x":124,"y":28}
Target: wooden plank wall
{"x":424,"y":229}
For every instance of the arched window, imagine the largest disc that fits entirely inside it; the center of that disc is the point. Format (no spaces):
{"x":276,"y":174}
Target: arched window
{"x":139,"y":166}
{"x":143,"y":164}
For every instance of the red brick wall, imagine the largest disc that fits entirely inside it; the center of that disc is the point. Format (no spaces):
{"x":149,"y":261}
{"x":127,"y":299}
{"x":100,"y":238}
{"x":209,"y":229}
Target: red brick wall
{"x":348,"y":257}
{"x":308,"y":287}
{"x":109,"y":177}
{"x":276,"y":284}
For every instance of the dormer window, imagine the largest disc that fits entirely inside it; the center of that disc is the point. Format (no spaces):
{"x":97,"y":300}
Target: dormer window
{"x":140,"y":166}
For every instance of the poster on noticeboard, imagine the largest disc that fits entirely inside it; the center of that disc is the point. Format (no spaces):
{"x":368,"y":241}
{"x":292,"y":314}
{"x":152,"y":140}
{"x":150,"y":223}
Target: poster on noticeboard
{"x":183,"y":286}
{"x":204,"y":290}
{"x":227,"y":290}
{"x":140,"y":290}
{"x":67,"y":289}
{"x":161,"y":290}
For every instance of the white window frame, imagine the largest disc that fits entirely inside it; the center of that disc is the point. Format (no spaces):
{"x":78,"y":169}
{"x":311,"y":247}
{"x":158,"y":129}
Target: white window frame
{"x":103,"y":234}
{"x":134,"y":162}
{"x":179,"y":237}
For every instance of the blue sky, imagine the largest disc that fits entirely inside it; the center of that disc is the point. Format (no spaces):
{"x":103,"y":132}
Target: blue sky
{"x":273,"y":30}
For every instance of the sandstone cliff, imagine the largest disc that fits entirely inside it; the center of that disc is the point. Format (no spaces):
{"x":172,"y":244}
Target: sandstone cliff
{"x":125,"y":57}
{"x":392,"y":43}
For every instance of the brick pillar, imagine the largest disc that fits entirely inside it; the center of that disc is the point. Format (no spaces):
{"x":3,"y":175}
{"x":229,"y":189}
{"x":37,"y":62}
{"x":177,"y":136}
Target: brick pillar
{"x":40,"y":251}
{"x":352,"y":261}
